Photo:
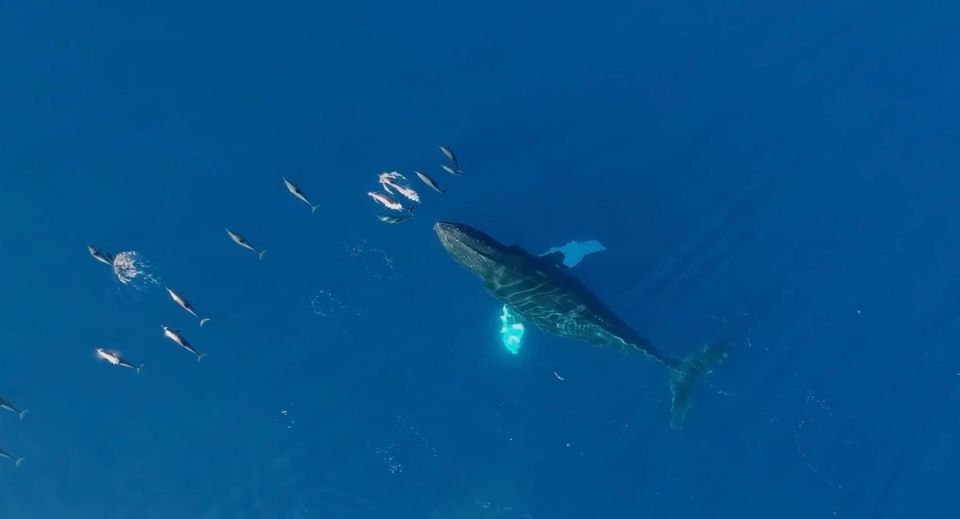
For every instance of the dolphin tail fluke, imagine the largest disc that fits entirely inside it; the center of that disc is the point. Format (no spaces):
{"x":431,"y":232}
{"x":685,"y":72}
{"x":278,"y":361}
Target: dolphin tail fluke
{"x":313,"y":208}
{"x":261,"y":253}
{"x":200,"y":357}
{"x":685,"y":378}
{"x":139,"y":368}
{"x":204,"y":321}
{"x":23,"y":413}
{"x":20,"y":461}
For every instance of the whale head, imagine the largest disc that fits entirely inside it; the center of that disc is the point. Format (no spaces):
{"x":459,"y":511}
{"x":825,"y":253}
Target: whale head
{"x":473,"y":249}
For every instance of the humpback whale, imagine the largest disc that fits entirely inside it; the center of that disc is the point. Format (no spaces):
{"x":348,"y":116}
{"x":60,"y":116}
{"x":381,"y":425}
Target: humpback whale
{"x":542,"y":291}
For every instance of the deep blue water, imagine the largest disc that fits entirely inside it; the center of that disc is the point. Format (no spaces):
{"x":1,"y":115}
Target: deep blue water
{"x":780,"y":176}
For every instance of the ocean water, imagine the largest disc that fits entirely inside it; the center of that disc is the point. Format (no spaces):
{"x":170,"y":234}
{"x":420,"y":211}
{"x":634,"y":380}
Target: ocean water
{"x":779,"y":176}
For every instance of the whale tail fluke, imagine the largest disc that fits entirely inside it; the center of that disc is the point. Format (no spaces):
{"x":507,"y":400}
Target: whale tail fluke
{"x":691,"y":369}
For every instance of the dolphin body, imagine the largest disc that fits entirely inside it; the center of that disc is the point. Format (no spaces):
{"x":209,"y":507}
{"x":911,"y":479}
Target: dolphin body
{"x":542,"y":291}
{"x":7,"y":455}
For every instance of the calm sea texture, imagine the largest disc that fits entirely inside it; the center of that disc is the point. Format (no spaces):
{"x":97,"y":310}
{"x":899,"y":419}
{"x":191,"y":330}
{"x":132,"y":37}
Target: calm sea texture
{"x":782,"y":176}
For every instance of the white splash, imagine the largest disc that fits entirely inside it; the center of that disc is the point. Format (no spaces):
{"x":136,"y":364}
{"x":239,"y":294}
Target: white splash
{"x":386,"y":201}
{"x":390,"y":458}
{"x":397,"y":182}
{"x":132,"y":270}
{"x":575,"y":251}
{"x":325,"y":304}
{"x":375,"y":262}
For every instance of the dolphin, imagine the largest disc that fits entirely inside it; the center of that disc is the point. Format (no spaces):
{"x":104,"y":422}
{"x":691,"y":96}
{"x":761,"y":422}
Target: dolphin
{"x":542,"y":291}
{"x":386,"y":201}
{"x":175,"y":336}
{"x":241,"y":241}
{"x":102,"y":257}
{"x":451,"y":156}
{"x":397,"y":182}
{"x":177,"y":298}
{"x":297,"y":192}
{"x":7,"y":406}
{"x":114,"y":358}
{"x":7,"y":455}
{"x":430,"y":182}
{"x":392,"y":219}
{"x":453,"y":171}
